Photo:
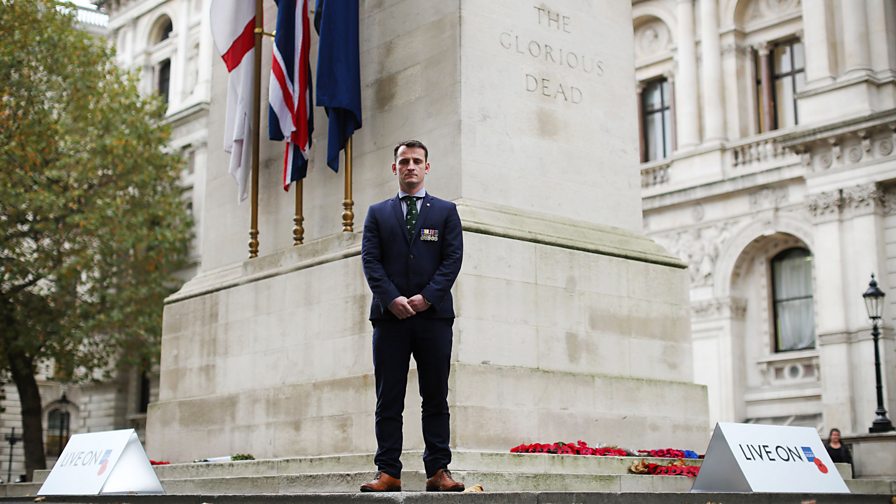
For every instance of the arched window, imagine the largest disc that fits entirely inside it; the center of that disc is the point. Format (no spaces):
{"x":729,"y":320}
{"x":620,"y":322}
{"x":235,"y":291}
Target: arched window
{"x":792,"y":300}
{"x":58,"y":424}
{"x":162,"y":30}
{"x":163,"y":79}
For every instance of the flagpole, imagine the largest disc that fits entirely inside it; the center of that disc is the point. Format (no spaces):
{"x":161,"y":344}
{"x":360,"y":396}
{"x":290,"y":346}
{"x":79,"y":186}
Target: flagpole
{"x":298,"y":231}
{"x":348,"y":216}
{"x":256,"y":127}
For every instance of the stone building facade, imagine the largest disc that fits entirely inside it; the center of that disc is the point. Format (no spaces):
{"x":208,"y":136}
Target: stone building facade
{"x":768,"y":164}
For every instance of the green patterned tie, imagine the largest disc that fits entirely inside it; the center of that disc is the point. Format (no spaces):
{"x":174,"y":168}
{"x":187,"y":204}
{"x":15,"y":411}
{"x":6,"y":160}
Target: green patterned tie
{"x":410,"y":218}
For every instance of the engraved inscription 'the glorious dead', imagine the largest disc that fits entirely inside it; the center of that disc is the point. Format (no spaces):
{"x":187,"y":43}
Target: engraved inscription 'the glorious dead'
{"x":552,"y":53}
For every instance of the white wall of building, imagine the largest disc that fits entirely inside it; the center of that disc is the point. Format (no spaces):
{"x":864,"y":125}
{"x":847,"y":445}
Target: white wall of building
{"x":729,"y":196}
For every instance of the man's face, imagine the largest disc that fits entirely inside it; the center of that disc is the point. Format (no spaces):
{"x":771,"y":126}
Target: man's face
{"x":411,"y":167}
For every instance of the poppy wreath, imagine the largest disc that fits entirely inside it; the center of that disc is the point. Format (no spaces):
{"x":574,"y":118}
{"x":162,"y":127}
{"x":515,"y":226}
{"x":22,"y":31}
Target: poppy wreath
{"x":669,"y":453}
{"x":578,"y":448}
{"x":677,"y":468}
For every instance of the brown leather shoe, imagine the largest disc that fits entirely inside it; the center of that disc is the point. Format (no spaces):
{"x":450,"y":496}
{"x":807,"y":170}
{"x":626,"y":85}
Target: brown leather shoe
{"x":442,"y":481}
{"x":382,"y":483}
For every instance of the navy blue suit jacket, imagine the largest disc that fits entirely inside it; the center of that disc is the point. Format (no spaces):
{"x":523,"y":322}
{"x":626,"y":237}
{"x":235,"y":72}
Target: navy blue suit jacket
{"x":428,"y":264}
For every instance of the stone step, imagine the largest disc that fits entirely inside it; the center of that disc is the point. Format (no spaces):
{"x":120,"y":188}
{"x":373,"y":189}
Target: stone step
{"x":872,"y":486}
{"x":19,"y":490}
{"x":414,"y":481}
{"x":497,"y":472}
{"x":468,"y":498}
{"x":412,"y":460}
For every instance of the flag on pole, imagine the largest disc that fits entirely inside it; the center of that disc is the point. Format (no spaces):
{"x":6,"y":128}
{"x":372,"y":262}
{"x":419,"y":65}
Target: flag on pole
{"x":233,"y":30}
{"x":338,"y":72}
{"x":291,"y":116}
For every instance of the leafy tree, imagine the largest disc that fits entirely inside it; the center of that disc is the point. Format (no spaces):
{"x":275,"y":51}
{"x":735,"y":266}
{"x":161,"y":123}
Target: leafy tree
{"x":92,"y":218}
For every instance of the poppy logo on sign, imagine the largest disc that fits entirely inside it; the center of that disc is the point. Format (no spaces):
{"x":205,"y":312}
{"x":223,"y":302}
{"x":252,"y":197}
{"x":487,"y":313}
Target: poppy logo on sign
{"x":810,"y":456}
{"x":104,"y":462}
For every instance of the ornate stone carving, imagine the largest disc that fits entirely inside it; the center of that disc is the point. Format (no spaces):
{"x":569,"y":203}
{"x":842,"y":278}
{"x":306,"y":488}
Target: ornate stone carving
{"x":782,"y":369}
{"x":782,"y":6}
{"x":825,"y":204}
{"x":889,"y":203}
{"x":698,"y":212}
{"x":655,"y":175}
{"x":699,"y":248}
{"x":863,"y":198}
{"x":763,"y":150}
{"x":715,"y":308}
{"x":652,"y":38}
{"x":838,"y":150}
{"x":768,"y":198}
{"x":760,"y":10}
{"x":826,"y":160}
{"x":855,"y":199}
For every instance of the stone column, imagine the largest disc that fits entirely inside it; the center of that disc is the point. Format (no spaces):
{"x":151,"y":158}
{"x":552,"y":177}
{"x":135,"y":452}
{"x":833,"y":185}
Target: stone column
{"x":205,"y":58}
{"x":881,"y":49}
{"x":176,"y":91}
{"x":830,"y":322}
{"x":642,"y":142}
{"x":856,"y":50}
{"x":713,"y":102}
{"x":767,"y":107}
{"x":686,"y":90}
{"x":863,"y":214}
{"x":673,"y":135}
{"x":718,"y":331}
{"x":816,"y":33}
{"x":736,"y":69}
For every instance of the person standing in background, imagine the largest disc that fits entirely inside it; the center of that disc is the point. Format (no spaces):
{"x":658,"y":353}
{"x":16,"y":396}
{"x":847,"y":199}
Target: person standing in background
{"x":837,"y":450}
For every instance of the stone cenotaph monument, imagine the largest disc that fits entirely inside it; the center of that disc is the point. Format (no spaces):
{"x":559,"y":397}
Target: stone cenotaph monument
{"x":571,"y":323}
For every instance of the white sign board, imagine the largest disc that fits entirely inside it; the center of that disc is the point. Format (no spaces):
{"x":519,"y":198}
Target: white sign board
{"x":767,"y":458}
{"x":111,"y":462}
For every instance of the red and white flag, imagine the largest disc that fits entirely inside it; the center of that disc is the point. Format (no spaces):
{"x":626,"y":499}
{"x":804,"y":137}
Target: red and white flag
{"x":233,"y":30}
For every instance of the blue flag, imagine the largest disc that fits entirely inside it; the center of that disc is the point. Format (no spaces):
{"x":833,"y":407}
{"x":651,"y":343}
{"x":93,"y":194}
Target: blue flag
{"x":338,"y":72}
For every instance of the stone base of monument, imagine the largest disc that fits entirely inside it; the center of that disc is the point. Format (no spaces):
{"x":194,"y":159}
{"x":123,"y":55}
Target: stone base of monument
{"x":498,"y":473}
{"x":565,"y":330}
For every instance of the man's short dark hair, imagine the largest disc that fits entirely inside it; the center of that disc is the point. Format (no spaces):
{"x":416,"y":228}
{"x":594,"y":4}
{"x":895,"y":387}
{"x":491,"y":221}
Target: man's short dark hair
{"x":413,"y":144}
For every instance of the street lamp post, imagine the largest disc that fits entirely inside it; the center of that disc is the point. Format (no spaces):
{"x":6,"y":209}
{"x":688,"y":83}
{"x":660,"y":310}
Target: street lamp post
{"x":12,"y":439}
{"x":874,"y":303}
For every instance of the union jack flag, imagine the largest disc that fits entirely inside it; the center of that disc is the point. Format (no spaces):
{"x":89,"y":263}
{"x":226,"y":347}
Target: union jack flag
{"x":291,"y":113}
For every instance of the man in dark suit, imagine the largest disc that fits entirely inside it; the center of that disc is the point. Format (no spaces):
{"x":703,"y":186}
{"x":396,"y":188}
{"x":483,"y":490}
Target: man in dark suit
{"x":412,"y":251}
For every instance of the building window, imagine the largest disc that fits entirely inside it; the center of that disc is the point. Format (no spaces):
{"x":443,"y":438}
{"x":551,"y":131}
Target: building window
{"x":163,"y":29}
{"x":656,"y":120}
{"x":143,"y":399}
{"x":58,"y":424}
{"x":163,"y":79}
{"x":790,"y":78}
{"x":781,"y":74}
{"x":793,"y":304}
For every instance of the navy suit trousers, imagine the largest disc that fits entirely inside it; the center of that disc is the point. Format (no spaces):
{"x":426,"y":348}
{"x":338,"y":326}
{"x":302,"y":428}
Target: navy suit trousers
{"x":394,"y":342}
